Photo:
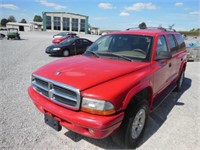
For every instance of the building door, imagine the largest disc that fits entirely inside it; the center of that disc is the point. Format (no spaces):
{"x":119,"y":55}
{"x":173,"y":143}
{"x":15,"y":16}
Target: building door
{"x":21,"y":28}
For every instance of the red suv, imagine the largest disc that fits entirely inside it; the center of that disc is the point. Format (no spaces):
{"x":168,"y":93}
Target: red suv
{"x":110,"y":89}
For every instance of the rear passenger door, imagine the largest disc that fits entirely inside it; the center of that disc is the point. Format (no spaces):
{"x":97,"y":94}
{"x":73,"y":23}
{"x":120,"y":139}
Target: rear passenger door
{"x":161,"y":76}
{"x":181,"y":54}
{"x":78,"y":47}
{"x":173,"y":46}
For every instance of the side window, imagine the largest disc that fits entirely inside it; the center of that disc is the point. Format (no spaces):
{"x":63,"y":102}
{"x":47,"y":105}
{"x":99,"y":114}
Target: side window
{"x":85,"y":42}
{"x":172,"y":43}
{"x":161,"y":45}
{"x":103,"y":45}
{"x":78,"y":42}
{"x":180,"y":40}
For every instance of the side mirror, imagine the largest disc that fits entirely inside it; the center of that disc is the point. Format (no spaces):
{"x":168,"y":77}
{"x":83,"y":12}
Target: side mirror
{"x":164,"y":55}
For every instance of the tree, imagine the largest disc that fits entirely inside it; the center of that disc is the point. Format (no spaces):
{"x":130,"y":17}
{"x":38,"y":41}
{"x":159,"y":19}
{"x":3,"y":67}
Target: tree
{"x":11,"y":19}
{"x":37,"y":18}
{"x":142,"y":25}
{"x":4,"y":21}
{"x":23,"y":21}
{"x":192,"y":29}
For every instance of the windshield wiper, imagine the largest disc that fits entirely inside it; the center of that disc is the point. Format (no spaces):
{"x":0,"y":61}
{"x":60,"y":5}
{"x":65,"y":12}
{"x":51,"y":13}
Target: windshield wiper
{"x":115,"y":55}
{"x":93,"y":53}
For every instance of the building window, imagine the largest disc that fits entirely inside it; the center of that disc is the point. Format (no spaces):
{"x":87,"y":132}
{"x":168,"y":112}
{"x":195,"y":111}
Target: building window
{"x":74,"y":24}
{"x":66,"y":24}
{"x":56,"y":21}
{"x":82,"y":25}
{"x":48,"y":22}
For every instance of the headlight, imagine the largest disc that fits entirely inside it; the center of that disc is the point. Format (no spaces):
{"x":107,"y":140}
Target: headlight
{"x":56,"y":49}
{"x":99,"y":107}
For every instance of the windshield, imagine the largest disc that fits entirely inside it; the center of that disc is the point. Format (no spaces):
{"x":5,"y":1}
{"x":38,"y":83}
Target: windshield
{"x":135,"y":47}
{"x":62,"y":34}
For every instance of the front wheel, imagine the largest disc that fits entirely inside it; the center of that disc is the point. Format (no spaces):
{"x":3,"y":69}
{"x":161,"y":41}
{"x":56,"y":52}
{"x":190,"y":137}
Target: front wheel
{"x":132,"y":128}
{"x":66,"y":53}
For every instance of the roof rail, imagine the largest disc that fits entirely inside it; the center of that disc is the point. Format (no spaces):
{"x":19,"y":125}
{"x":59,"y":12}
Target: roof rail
{"x":153,"y":28}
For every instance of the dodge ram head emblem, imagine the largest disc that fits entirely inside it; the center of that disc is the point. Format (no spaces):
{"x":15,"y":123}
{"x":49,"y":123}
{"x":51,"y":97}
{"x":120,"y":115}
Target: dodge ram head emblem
{"x":57,"y":72}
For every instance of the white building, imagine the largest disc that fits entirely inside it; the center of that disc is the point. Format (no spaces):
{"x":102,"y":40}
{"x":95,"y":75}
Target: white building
{"x":20,"y":26}
{"x":62,"y":21}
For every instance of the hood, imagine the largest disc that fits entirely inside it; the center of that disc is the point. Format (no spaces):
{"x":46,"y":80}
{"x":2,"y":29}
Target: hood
{"x":83,"y":72}
{"x":53,"y":46}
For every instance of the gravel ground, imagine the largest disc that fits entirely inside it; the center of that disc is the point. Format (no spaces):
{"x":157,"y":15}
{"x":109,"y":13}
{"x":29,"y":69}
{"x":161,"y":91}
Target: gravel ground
{"x":174,"y":125}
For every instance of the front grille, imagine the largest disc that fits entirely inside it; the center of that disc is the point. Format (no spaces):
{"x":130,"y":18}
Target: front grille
{"x":59,"y":93}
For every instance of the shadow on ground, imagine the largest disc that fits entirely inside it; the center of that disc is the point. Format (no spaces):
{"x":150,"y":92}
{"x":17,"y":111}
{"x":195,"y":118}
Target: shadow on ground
{"x":155,"y":121}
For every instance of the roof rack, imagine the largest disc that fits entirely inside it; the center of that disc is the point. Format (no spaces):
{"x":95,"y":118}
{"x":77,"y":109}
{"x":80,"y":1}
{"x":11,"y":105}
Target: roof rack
{"x":153,"y":28}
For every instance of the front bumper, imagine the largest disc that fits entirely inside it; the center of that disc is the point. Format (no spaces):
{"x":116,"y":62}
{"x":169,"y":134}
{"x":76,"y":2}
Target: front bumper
{"x":77,"y":121}
{"x":52,"y":52}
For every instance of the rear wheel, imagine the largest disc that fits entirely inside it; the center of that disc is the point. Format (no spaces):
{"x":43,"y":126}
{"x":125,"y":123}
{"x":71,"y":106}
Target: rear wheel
{"x":132,"y":128}
{"x":180,"y":81}
{"x":66,"y":53}
{"x":18,"y":37}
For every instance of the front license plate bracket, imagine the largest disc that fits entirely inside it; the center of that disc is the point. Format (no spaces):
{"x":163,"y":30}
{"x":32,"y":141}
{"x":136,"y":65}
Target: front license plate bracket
{"x":52,"y":122}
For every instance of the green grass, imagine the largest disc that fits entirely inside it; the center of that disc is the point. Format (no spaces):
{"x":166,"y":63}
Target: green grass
{"x":190,"y":33}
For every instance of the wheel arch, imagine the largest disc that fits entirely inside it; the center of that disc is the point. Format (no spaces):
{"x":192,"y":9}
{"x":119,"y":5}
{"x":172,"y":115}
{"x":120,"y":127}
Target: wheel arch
{"x":136,"y":94}
{"x":182,"y":68}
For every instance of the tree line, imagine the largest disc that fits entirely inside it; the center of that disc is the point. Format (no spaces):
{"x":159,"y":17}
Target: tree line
{"x":4,"y":21}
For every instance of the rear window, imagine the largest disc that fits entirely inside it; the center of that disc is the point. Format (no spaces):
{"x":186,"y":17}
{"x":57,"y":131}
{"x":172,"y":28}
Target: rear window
{"x":172,"y":43}
{"x":180,"y":40}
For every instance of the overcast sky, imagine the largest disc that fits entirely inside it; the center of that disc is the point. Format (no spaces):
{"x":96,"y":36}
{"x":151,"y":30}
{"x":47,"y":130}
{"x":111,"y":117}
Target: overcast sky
{"x":112,"y":14}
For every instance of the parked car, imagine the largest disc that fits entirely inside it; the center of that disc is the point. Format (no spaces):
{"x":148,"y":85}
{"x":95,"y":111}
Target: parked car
{"x":2,"y":35}
{"x":110,"y":89}
{"x":63,"y":36}
{"x":12,"y":33}
{"x":68,"y":47}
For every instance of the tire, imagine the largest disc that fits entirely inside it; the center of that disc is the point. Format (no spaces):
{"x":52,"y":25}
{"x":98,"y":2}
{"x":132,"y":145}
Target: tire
{"x":180,"y":81}
{"x":18,"y":38}
{"x":133,"y":125}
{"x":66,"y":53}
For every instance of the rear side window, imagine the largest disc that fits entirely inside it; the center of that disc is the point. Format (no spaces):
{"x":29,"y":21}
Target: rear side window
{"x":172,"y":43}
{"x":85,"y":41}
{"x":161,"y":45}
{"x":180,"y":40}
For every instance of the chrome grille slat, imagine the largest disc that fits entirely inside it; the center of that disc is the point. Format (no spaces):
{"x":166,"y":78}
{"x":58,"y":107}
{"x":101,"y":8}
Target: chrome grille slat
{"x":41,"y":91}
{"x":63,"y":96}
{"x":35,"y":84}
{"x":59,"y":93}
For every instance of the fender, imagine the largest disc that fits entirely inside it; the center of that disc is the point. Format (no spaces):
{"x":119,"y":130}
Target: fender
{"x":141,"y":86}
